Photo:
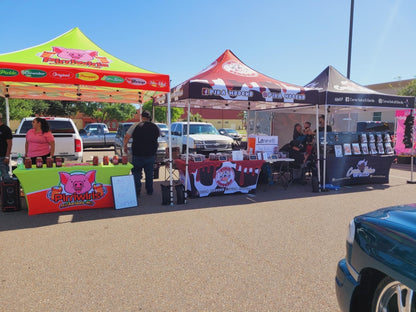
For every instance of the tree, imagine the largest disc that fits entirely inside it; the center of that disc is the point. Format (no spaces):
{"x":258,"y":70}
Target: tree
{"x":409,"y":90}
{"x":160,"y":112}
{"x":19,"y":108}
{"x":195,"y":117}
{"x":243,"y":116}
{"x":61,"y":108}
{"x":105,"y":112}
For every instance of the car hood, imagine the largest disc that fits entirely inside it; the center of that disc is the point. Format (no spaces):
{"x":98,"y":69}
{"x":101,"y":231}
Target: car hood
{"x":388,"y":236}
{"x":403,"y":216}
{"x":211,"y":137}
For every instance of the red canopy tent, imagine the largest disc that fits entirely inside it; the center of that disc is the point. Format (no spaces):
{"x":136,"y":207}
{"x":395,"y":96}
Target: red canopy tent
{"x":228,"y":83}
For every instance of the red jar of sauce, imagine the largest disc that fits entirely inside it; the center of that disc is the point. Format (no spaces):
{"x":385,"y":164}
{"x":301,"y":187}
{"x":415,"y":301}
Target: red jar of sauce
{"x":115,"y":160}
{"x":95,"y":161}
{"x":124,"y":160}
{"x":58,"y":161}
{"x":49,"y":162}
{"x":28,"y":163}
{"x":106,"y":160}
{"x":39,"y":162}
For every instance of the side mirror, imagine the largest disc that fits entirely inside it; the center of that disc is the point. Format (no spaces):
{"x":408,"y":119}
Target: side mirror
{"x":82,"y":132}
{"x":222,"y":132}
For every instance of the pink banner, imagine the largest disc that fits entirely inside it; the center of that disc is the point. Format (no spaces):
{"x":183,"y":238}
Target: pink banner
{"x":402,"y":141}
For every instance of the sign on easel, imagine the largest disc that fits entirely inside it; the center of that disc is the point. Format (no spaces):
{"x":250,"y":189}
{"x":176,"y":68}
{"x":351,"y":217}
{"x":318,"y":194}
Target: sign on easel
{"x":124,"y":191}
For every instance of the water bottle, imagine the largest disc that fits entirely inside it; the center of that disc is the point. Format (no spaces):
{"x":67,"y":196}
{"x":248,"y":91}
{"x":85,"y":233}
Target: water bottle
{"x":20,"y":164}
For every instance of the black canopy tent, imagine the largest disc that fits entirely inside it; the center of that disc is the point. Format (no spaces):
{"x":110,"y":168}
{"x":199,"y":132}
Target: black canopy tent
{"x":227,"y":83}
{"x":336,"y":90}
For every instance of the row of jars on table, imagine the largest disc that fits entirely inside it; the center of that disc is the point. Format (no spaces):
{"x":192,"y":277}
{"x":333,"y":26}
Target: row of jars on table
{"x":106,"y":160}
{"x":59,"y":161}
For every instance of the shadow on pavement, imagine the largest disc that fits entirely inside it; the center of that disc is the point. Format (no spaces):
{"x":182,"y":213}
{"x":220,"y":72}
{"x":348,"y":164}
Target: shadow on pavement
{"x":153,"y":204}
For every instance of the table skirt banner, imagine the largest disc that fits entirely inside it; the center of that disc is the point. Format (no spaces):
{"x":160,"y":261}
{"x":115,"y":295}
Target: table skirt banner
{"x":72,"y":187}
{"x":220,"y":177}
{"x":358,"y":169}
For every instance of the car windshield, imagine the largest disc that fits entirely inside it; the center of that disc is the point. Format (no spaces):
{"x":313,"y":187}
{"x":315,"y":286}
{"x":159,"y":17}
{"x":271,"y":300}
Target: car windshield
{"x":201,"y":129}
{"x":162,"y":126}
{"x":127,"y":126}
{"x":57,"y":126}
{"x":231,"y":131}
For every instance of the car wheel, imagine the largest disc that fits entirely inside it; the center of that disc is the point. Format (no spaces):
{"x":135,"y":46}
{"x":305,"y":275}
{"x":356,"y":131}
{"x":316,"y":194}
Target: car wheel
{"x":392,"y":296}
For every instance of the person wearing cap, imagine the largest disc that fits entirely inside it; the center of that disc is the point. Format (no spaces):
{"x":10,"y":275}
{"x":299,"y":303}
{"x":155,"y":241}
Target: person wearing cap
{"x":5,"y":148}
{"x":144,"y":148}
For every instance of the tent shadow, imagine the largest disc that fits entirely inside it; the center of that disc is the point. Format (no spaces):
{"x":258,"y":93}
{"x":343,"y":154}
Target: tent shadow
{"x":153,"y":205}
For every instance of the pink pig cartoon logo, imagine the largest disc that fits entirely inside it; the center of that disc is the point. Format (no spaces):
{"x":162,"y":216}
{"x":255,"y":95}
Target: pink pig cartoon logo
{"x":75,"y":54}
{"x":77,"y":183}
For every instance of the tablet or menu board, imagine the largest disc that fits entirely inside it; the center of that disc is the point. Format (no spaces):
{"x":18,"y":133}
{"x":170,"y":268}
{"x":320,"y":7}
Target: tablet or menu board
{"x":389,"y":148}
{"x":356,"y":149}
{"x":373,"y":150}
{"x":124,"y":191}
{"x":364,"y":148}
{"x":347,"y":149}
{"x":338,"y":150}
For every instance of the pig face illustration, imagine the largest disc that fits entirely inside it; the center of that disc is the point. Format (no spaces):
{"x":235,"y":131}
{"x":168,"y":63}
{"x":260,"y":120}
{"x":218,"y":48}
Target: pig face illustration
{"x":77,"y":183}
{"x":75,"y":54}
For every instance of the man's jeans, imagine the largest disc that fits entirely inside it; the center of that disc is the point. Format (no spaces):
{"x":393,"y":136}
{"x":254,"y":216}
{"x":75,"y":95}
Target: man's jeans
{"x":4,"y":169}
{"x":146,"y":163}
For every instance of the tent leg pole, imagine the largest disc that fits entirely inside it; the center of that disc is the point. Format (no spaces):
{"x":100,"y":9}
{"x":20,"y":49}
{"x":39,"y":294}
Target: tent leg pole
{"x":318,"y":154}
{"x":8,"y":124}
{"x":170,"y":153}
{"x":187,"y":151}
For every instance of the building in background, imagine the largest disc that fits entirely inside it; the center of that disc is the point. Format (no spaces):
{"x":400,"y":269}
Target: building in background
{"x":220,"y":118}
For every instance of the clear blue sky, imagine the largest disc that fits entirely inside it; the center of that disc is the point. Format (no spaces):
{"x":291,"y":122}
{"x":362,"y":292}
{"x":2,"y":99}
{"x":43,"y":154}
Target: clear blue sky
{"x":292,"y":41}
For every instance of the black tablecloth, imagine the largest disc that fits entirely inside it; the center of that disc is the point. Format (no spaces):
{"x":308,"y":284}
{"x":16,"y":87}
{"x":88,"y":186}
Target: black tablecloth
{"x":358,"y":169}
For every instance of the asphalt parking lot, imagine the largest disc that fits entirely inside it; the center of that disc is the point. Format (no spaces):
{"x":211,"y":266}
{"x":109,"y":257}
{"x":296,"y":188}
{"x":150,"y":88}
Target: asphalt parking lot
{"x":276,"y":250}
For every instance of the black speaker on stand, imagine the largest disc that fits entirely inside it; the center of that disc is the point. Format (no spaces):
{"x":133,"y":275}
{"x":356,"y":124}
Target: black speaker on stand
{"x":10,"y":194}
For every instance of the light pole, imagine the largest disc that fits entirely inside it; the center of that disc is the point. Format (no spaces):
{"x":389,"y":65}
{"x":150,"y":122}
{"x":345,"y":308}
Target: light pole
{"x":350,"y":39}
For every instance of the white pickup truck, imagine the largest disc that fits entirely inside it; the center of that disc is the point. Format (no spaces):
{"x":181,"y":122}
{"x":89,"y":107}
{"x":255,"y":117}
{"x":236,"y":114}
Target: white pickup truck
{"x":204,"y":138}
{"x":68,"y":143}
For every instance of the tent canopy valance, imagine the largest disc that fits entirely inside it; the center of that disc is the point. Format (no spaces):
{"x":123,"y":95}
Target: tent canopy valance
{"x":336,"y":89}
{"x":228,"y":83}
{"x":72,"y":68}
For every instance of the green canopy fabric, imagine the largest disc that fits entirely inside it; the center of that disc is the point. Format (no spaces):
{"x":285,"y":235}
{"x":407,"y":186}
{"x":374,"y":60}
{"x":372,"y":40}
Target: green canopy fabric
{"x":73,"y":68}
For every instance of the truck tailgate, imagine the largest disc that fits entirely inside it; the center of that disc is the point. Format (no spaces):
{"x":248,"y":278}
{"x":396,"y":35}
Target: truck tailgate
{"x":64,"y":144}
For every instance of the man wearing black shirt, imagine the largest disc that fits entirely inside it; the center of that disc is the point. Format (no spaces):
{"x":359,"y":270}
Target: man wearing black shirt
{"x":322,"y":124}
{"x":144,"y":148}
{"x":5,"y":148}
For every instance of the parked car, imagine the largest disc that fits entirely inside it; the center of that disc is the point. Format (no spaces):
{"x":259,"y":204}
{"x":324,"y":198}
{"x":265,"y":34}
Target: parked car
{"x":164,"y":130}
{"x":119,"y":141}
{"x":203,"y":138}
{"x":97,"y":135}
{"x":379,"y":270}
{"x":232,"y":133}
{"x":68,"y":142}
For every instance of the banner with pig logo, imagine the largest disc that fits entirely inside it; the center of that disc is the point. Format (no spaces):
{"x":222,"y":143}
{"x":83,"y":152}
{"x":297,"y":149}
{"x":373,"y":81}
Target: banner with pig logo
{"x":76,"y":188}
